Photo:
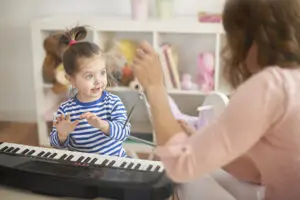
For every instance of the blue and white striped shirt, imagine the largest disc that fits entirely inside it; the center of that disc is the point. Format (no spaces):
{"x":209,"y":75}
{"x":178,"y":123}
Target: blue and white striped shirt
{"x":86,"y":138}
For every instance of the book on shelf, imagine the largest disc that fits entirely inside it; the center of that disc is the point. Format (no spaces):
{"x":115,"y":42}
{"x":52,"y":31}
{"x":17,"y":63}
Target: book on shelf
{"x":169,"y":62}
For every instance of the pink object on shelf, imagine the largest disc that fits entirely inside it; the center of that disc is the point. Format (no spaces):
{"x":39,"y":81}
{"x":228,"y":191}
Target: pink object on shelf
{"x":187,"y":83}
{"x":207,"y":17}
{"x":140,"y":9}
{"x":205,"y":76}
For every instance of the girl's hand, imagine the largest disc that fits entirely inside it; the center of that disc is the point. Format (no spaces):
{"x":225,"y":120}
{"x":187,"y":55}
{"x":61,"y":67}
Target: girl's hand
{"x":64,"y":126}
{"x":147,"y":67}
{"x":189,"y":130}
{"x":92,"y":119}
{"x":96,"y":122}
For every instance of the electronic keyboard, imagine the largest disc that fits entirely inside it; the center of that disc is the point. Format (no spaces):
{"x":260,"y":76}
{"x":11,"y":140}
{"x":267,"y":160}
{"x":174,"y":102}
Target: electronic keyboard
{"x":64,"y":173}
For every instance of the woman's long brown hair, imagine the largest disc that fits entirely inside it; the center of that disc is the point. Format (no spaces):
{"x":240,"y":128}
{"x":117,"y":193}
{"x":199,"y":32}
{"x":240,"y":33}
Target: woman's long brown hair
{"x":273,"y":25}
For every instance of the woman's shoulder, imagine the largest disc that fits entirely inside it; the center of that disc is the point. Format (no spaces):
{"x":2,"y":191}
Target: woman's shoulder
{"x":270,"y":79}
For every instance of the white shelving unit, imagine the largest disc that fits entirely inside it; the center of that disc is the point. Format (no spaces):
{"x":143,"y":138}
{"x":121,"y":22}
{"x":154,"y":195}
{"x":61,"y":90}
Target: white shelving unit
{"x":196,"y":37}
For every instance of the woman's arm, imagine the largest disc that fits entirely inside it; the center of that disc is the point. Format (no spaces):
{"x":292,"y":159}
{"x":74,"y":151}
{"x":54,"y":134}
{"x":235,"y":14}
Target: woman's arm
{"x":164,"y":122}
{"x":255,"y":107}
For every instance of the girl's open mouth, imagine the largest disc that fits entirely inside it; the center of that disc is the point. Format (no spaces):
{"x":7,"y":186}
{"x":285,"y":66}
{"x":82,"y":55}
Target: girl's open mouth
{"x":96,"y":90}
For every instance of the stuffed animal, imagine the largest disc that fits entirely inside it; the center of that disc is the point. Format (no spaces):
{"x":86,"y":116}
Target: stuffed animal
{"x":205,"y":74}
{"x":187,"y":83}
{"x":134,"y":84}
{"x":53,"y":59}
{"x":120,"y":54}
{"x":53,"y":73}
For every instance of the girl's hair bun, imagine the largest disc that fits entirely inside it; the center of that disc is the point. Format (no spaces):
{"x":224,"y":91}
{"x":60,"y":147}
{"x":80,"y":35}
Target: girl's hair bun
{"x":75,"y":34}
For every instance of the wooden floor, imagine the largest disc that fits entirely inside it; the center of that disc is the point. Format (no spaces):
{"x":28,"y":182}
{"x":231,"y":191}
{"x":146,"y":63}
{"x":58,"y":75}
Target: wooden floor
{"x":20,"y":133}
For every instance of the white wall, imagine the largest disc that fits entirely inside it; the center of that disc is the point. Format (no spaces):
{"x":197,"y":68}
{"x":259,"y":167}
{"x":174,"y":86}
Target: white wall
{"x":17,"y":101}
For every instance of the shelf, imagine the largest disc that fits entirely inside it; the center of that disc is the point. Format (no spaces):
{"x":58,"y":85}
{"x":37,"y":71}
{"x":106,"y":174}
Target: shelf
{"x":121,"y":24}
{"x":206,"y":37}
{"x":170,"y":91}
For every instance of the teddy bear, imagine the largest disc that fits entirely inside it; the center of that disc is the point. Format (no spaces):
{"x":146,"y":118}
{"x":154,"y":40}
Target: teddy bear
{"x":52,"y":64}
{"x":53,"y":73}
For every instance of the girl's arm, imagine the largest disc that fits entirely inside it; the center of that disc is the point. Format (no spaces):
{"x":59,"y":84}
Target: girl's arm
{"x":257,"y":105}
{"x":114,"y":128}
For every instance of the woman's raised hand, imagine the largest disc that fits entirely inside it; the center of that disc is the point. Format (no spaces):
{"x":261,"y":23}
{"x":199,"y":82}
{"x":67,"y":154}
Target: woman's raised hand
{"x":147,"y":67}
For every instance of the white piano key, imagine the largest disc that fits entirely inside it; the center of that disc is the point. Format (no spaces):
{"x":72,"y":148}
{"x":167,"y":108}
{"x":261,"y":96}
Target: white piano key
{"x":100,"y":158}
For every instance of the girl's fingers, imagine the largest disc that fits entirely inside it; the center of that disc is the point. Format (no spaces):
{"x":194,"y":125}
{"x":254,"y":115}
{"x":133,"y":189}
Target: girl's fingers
{"x":58,"y":119}
{"x":86,"y":115}
{"x":68,"y":117}
{"x":74,"y":124}
{"x":83,"y":116}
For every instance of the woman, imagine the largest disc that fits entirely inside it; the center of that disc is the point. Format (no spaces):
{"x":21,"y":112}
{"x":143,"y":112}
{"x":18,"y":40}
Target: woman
{"x":261,"y":123}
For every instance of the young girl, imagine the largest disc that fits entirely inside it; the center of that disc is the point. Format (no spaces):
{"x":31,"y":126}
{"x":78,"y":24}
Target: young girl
{"x":257,"y":138}
{"x":93,"y":120}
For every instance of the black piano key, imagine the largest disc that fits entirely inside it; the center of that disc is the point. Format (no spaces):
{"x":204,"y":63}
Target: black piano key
{"x":104,"y":162}
{"x":111,"y":163}
{"x":9,"y":149}
{"x":80,"y":159}
{"x":15,"y":150}
{"x":53,"y":155}
{"x":69,"y":158}
{"x":41,"y":153}
{"x":63,"y":157}
{"x":25,"y":151}
{"x":157,"y":168}
{"x":30,"y":152}
{"x":87,"y":160}
{"x":4,"y":148}
{"x":46,"y":155}
{"x":137,"y":166}
{"x":130,"y":166}
{"x":123,"y":164}
{"x":149,"y":167}
{"x":93,"y":161}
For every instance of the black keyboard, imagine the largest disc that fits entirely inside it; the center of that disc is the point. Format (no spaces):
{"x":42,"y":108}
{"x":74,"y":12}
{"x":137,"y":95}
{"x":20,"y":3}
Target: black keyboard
{"x":65,"y":173}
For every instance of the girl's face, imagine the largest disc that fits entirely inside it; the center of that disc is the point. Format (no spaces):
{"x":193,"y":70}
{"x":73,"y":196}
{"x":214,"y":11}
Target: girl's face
{"x":91,"y":79}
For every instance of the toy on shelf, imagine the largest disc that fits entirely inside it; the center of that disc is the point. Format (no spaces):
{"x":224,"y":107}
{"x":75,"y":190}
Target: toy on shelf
{"x":54,"y":51}
{"x":187,"y":83}
{"x":120,"y":54}
{"x":136,"y":85}
{"x":209,"y":17}
{"x":164,"y":9}
{"x":205,"y":72}
{"x":140,"y":9}
{"x":54,"y":74}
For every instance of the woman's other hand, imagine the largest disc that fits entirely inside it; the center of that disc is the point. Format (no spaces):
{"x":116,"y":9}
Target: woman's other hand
{"x":189,"y":130}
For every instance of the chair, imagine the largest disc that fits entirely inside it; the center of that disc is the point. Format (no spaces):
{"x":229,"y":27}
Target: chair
{"x":216,"y":100}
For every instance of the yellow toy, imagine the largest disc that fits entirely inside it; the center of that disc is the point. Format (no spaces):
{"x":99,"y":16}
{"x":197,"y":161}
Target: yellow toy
{"x":120,"y":54}
{"x":60,"y":75}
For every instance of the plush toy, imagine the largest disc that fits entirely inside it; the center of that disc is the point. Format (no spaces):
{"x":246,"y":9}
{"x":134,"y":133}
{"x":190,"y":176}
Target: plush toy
{"x":53,"y":59}
{"x":135,"y":85}
{"x":205,"y":74}
{"x":187,"y":83}
{"x":53,"y":73}
{"x":120,"y":54}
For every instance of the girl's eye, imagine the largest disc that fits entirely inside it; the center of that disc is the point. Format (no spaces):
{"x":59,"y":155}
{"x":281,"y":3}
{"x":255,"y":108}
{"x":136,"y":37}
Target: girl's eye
{"x":89,"y":76}
{"x":103,"y":72}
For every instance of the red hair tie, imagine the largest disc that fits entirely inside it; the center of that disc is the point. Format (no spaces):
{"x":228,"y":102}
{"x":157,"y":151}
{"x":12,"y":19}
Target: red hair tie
{"x":72,"y":42}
